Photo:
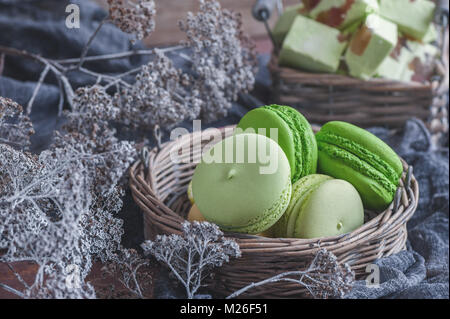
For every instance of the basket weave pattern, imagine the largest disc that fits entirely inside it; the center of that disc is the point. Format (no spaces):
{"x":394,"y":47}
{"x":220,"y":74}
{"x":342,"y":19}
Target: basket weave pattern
{"x":159,"y":188}
{"x":377,"y":102}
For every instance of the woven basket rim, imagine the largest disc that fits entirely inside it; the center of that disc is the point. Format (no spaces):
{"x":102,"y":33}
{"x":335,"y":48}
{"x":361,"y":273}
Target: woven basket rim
{"x":146,"y":196}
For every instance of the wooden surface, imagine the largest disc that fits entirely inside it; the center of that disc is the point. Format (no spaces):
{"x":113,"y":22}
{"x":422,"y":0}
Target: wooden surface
{"x":169,"y":12}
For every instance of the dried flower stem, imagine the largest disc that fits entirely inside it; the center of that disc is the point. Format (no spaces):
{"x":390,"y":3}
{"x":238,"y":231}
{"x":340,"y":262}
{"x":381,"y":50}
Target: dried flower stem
{"x":91,"y":39}
{"x":36,"y":89}
{"x":324,"y":277}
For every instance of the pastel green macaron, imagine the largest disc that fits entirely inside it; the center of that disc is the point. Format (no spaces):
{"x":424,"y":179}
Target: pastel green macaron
{"x":293,"y":133}
{"x":321,"y":206}
{"x":243,"y":183}
{"x":353,"y":154}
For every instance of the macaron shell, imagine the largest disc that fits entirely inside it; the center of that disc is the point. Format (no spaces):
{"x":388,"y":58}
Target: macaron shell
{"x":373,"y":195}
{"x":189,"y":193}
{"x":237,"y":196}
{"x":334,"y":208}
{"x":365,"y":140}
{"x":356,"y":155}
{"x":263,"y":118}
{"x":195,"y":215}
{"x":304,"y":139}
{"x":300,"y":191}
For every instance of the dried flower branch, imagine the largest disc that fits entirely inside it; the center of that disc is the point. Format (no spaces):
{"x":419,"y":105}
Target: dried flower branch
{"x":162,"y":95}
{"x":221,"y":67}
{"x":324,"y":278}
{"x":223,"y":59}
{"x":191,"y":256}
{"x":131,"y":270}
{"x":58,"y":209}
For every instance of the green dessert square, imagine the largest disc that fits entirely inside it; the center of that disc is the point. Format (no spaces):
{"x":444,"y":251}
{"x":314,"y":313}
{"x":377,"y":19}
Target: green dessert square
{"x":341,"y":13}
{"x":420,"y":66}
{"x":394,"y":66}
{"x":370,"y":46}
{"x":412,"y":17}
{"x":285,"y":22}
{"x":312,"y":46}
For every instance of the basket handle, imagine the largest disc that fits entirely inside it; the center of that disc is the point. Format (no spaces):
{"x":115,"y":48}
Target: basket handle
{"x":442,"y":13}
{"x":262,"y":11}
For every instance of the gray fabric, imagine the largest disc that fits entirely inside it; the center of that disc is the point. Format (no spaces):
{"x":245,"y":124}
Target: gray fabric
{"x":37,"y":26}
{"x":422,"y":270}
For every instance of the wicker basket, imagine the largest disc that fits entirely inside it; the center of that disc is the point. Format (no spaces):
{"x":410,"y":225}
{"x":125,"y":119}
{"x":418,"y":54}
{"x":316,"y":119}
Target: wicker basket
{"x":159,"y":188}
{"x":378,"y":102}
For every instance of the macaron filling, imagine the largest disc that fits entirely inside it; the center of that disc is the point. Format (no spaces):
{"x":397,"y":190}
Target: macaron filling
{"x":267,"y":219}
{"x":304,"y":150}
{"x":358,"y":165}
{"x":362,"y":153}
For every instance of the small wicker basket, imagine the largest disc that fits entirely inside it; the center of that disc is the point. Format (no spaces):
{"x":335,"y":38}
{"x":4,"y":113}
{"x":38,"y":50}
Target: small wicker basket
{"x":377,"y":102}
{"x":159,"y":188}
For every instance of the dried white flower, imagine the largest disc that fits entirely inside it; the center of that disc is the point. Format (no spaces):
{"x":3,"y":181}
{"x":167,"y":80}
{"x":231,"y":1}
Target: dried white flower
{"x":324,"y":278}
{"x":162,"y":95}
{"x":223,"y":59}
{"x":134,"y":17}
{"x":191,"y":256}
{"x":15,"y":127}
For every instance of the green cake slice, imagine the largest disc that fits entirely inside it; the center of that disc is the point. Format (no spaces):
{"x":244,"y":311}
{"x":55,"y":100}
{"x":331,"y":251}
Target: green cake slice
{"x":285,"y":22}
{"x":370,"y":46}
{"x":312,"y":46}
{"x":341,"y":13}
{"x":412,"y":17}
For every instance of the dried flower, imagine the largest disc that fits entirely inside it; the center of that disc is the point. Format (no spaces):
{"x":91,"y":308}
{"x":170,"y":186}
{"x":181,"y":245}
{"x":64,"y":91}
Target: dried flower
{"x":223,"y":60}
{"x":132,"y":271}
{"x":191,"y":256}
{"x":15,"y":127}
{"x":134,"y":18}
{"x":58,"y":209}
{"x":162,"y":95}
{"x":324,"y":278}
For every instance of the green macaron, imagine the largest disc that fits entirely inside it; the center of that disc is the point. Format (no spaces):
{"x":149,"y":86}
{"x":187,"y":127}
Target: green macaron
{"x":353,"y":154}
{"x":321,"y":206}
{"x":294,"y":135}
{"x":243,"y":183}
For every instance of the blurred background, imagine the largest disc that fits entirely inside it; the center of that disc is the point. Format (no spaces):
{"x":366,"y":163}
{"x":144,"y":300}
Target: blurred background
{"x":170,"y":11}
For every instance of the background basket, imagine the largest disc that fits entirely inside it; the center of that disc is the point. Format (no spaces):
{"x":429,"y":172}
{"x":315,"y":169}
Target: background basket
{"x":159,"y":188}
{"x":377,"y":102}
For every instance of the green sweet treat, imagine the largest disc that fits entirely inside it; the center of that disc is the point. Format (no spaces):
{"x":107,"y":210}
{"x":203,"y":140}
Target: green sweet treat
{"x":321,"y":206}
{"x":285,"y":22}
{"x":243,"y":183}
{"x":312,"y":46}
{"x":342,"y":13}
{"x":285,"y":226}
{"x":370,"y":46}
{"x":431,"y":35}
{"x":353,"y":154}
{"x":394,"y":67}
{"x":420,"y":67}
{"x":412,"y":17}
{"x":295,"y":135}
